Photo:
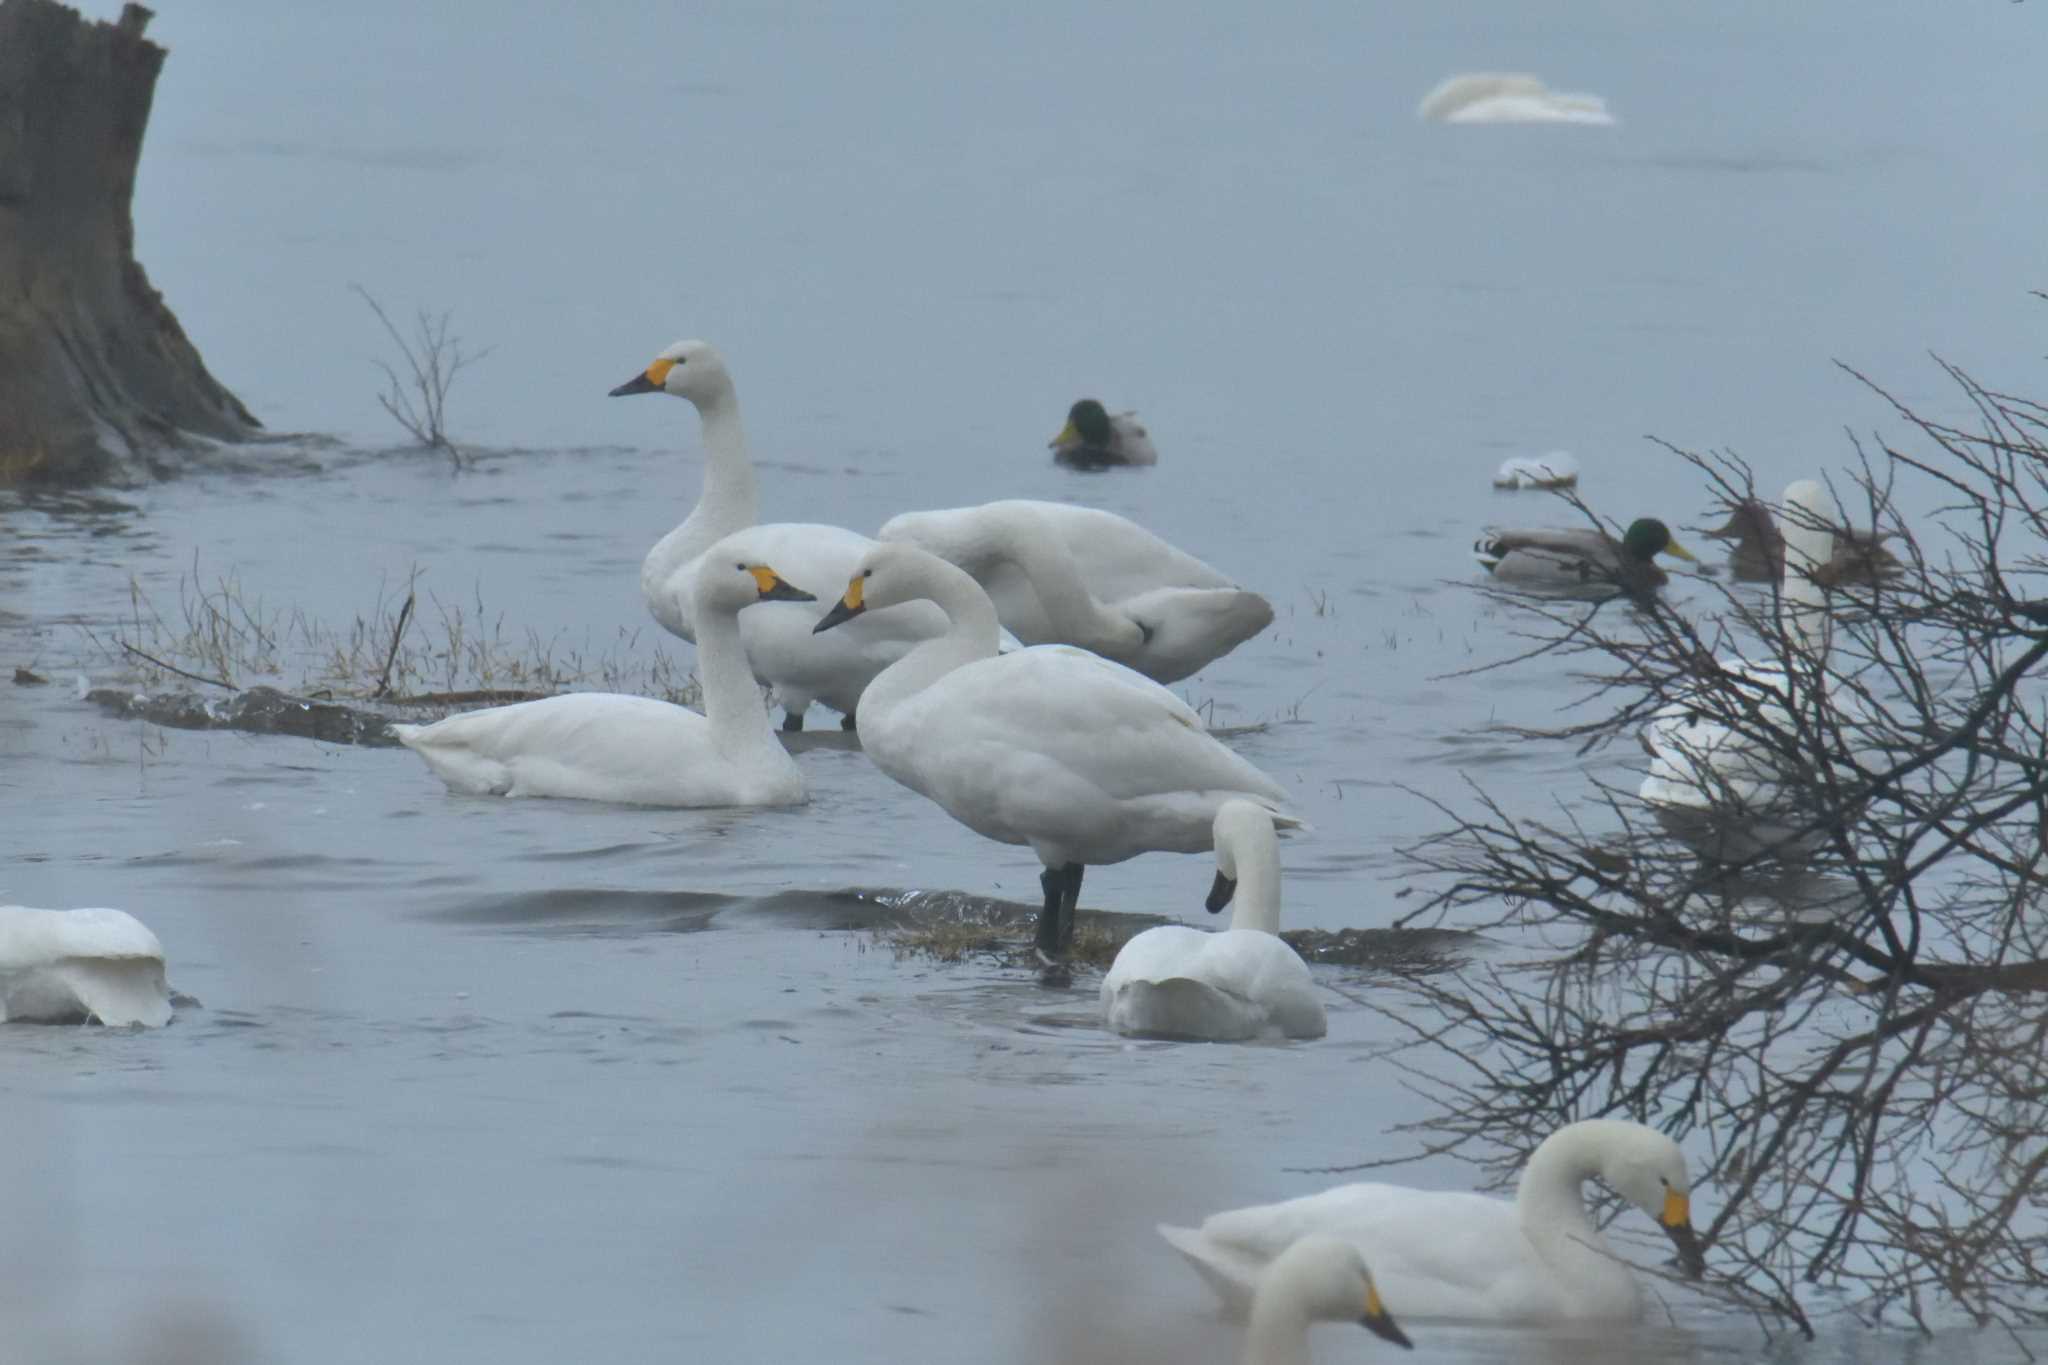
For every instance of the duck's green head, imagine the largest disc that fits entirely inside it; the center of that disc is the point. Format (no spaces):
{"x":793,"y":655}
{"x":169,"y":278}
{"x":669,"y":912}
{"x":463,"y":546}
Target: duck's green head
{"x":1647,"y":537}
{"x":1087,"y":424}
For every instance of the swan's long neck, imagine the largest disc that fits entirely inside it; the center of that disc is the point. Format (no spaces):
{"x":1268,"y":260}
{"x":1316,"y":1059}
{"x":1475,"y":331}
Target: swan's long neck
{"x":730,"y":500}
{"x":1803,"y":603}
{"x":1256,"y":903}
{"x":971,"y":634}
{"x":1030,"y":543}
{"x":1550,"y":1201}
{"x":732,"y":699}
{"x":1277,"y":1333}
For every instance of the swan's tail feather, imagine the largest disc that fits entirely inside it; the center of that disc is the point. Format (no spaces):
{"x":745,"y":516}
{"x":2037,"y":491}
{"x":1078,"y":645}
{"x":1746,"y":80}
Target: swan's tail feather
{"x":1218,"y":1267}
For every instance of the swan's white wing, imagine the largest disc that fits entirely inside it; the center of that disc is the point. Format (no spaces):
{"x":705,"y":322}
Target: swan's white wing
{"x":1445,"y":1254}
{"x":64,"y":964}
{"x":1189,"y":628}
{"x":1174,"y":981}
{"x":1058,"y":748}
{"x":1119,"y":558}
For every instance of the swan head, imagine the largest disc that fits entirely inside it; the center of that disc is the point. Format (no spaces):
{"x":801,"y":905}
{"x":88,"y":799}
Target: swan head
{"x":1087,"y":425}
{"x":729,"y":579}
{"x":1647,"y":1168}
{"x":889,"y":574}
{"x":688,"y":369}
{"x":1326,"y":1278}
{"x":1647,"y":537}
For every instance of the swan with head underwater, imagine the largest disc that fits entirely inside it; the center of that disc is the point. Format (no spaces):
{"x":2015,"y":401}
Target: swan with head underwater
{"x":1454,"y":1256}
{"x":606,"y":746}
{"x":1061,"y":574}
{"x":91,"y":965}
{"x":1082,"y":759}
{"x":779,"y":645}
{"x":1244,"y":982}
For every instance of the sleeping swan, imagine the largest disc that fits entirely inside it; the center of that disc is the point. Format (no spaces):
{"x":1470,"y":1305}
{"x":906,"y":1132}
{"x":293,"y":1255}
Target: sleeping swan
{"x":1082,"y":759}
{"x":80,"y":966}
{"x":605,"y":746}
{"x":1318,"y":1279}
{"x":1508,"y":97}
{"x":1467,"y":1257}
{"x":1061,"y":574}
{"x":1177,"y":982}
{"x":778,"y":639}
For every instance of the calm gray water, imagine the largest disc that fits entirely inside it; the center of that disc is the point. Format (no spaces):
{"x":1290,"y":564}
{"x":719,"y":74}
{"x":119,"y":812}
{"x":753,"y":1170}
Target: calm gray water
{"x":535,"y":1081}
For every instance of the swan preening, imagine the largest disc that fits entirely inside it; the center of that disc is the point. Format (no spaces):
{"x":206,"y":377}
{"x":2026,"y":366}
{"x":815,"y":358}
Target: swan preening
{"x":1318,"y":1279}
{"x":1242,"y":983}
{"x":1583,"y":558}
{"x":1094,"y":438}
{"x":1717,"y":772}
{"x":603,"y":746}
{"x":1557,"y":469}
{"x":799,"y":668}
{"x":80,"y":966}
{"x":1508,"y":97}
{"x":1451,"y":1255}
{"x":1060,"y":574}
{"x":1082,"y":759}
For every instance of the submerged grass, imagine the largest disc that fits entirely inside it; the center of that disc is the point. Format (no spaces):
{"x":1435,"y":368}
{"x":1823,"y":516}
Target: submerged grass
{"x":1004,"y":935}
{"x":403,"y":651}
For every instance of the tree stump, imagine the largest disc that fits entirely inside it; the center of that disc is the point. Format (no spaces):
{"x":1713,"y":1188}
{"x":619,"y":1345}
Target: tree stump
{"x":97,"y":380}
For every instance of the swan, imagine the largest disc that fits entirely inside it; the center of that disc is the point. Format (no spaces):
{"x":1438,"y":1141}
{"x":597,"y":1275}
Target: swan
{"x":1508,"y":97}
{"x":1061,"y":574}
{"x":1177,"y":982}
{"x":1318,"y":1279}
{"x":1083,"y":759}
{"x":1558,"y":469}
{"x":604,"y":746}
{"x":1094,"y":439}
{"x":1582,"y":557}
{"x":799,"y":668}
{"x":1447,"y":1254}
{"x":90,"y":965}
{"x":1703,"y":769}
{"x":1857,"y":556}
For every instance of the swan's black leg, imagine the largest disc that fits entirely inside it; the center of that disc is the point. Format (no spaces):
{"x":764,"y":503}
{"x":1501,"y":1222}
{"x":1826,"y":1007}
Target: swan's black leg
{"x":792,"y":721}
{"x":1054,"y":881}
{"x":1070,"y":898}
{"x":846,"y":721}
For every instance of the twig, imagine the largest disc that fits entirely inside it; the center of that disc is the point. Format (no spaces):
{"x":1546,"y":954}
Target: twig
{"x":397,"y":634}
{"x":173,"y":668}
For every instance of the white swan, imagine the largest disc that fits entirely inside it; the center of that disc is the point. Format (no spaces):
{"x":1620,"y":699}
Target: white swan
{"x":1467,"y":1257}
{"x":1557,"y":469}
{"x":1710,"y":778}
{"x":1061,"y":574}
{"x":1082,"y":759}
{"x":778,"y":639}
{"x":1095,"y":439}
{"x":1177,"y":982}
{"x":1318,"y":1279}
{"x":604,"y":746}
{"x":91,"y":965}
{"x":1508,"y":97}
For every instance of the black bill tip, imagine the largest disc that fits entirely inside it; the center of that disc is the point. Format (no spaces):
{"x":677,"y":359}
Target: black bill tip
{"x":840,"y":613}
{"x":786,"y":592}
{"x":1220,"y":892}
{"x":1386,"y":1329}
{"x":639,"y":383}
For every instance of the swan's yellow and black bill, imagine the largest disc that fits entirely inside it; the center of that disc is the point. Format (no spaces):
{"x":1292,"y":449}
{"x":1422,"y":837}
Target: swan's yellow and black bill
{"x":1220,"y":892}
{"x":846,"y":608}
{"x":1676,"y":1220}
{"x":775,"y":588}
{"x":1377,"y":1321}
{"x":648,"y":380}
{"x":1067,"y":437}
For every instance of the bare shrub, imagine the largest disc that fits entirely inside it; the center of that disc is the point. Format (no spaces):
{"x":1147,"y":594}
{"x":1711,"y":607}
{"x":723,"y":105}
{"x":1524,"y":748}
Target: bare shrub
{"x":433,"y":358}
{"x":1847,"y":1006}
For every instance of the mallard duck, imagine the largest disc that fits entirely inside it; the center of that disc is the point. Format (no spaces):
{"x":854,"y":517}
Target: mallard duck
{"x":1584,"y":557}
{"x":1093,"y":439}
{"x":1858,"y":556}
